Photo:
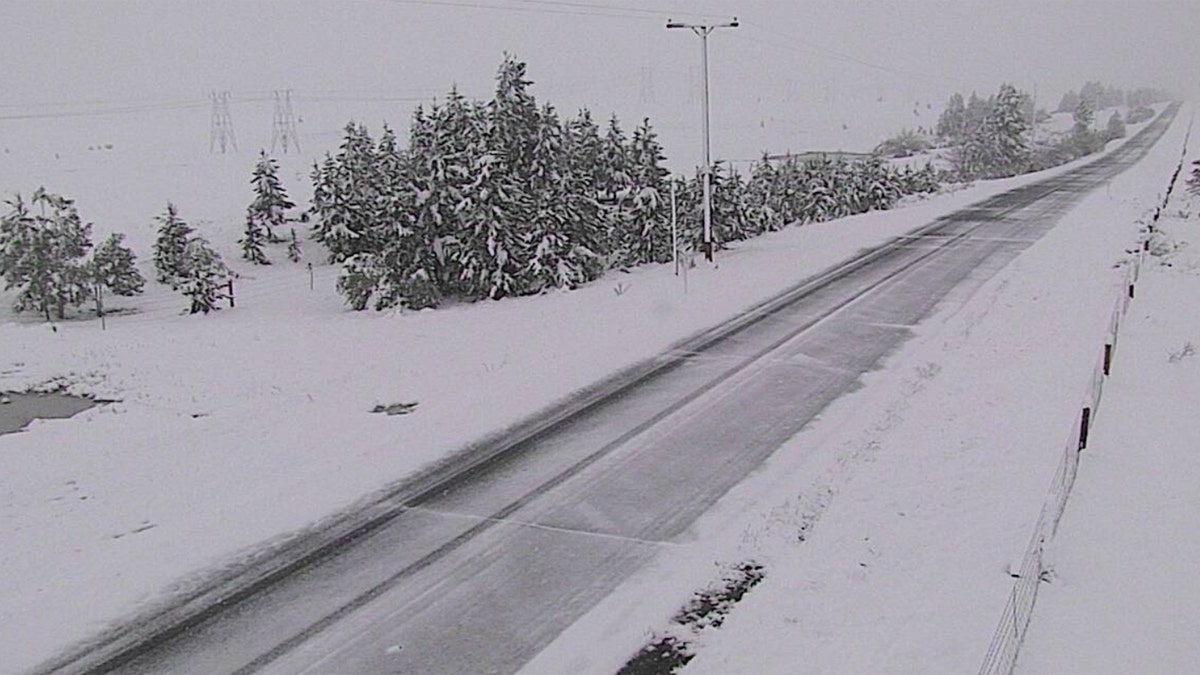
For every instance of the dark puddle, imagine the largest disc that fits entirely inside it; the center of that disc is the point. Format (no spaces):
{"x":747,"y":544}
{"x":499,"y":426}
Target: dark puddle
{"x":18,"y":410}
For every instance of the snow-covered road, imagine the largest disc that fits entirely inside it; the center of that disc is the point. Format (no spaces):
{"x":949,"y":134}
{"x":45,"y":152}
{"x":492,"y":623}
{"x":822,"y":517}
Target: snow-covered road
{"x":483,"y":572}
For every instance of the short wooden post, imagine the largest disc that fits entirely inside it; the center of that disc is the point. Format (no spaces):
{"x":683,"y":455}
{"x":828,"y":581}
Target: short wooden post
{"x":1108,"y":351}
{"x":311,"y":282}
{"x":100,"y":305}
{"x":231,"y":293}
{"x":1084,"y":420}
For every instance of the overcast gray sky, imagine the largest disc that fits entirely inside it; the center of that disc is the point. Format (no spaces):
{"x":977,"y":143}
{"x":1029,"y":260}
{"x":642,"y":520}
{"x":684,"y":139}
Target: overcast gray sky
{"x":795,"y":75}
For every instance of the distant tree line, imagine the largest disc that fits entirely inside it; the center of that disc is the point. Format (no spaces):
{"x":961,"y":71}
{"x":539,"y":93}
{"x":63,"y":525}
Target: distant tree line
{"x":1101,"y":96}
{"x":991,"y":137}
{"x":504,"y":197}
{"x":487,"y":200}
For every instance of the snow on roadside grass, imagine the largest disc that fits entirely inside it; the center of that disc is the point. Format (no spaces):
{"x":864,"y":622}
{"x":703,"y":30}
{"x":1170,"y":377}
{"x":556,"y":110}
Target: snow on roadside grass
{"x":1122,"y":596}
{"x":238,"y":427}
{"x":888,"y":527}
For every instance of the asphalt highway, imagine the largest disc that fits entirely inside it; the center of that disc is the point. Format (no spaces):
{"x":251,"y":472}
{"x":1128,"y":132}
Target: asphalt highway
{"x":478,"y":573}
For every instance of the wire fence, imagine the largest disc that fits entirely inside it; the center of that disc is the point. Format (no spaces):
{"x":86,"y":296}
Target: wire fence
{"x":1001,"y":657}
{"x":1006,"y":642}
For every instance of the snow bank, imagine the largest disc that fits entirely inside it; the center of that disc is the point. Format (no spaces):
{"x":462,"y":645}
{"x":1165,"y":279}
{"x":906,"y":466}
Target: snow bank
{"x":1122,"y":596}
{"x":888,"y":529}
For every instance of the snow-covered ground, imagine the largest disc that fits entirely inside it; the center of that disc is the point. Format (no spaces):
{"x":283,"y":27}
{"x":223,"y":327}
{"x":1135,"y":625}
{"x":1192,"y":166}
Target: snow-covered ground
{"x":235,"y":428}
{"x":1123,"y":596}
{"x":888,"y":529}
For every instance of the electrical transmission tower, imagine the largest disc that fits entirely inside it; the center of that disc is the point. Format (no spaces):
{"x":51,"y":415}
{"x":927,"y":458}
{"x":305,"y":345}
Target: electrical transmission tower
{"x":221,"y":133}
{"x":283,"y":127}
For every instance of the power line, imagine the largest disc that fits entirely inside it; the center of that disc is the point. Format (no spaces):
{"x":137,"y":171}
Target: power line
{"x":570,"y":9}
{"x":123,"y":110}
{"x":837,"y":55}
{"x":649,"y":13}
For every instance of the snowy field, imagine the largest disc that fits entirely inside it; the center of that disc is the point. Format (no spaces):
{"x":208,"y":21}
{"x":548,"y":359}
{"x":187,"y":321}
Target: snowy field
{"x":1123,"y":595}
{"x":237,"y":428}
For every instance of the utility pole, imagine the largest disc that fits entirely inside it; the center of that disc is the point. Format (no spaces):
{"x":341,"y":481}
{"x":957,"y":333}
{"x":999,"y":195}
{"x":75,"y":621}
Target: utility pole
{"x":703,"y":30}
{"x":1033,"y":122}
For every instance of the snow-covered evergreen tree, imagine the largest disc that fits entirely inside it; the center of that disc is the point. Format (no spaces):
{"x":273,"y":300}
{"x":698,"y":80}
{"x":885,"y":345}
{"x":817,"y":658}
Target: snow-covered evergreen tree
{"x":294,"y":252}
{"x":762,"y":195}
{"x":254,"y":237}
{"x":41,"y":253}
{"x":1083,"y":139}
{"x":114,"y":266}
{"x":204,"y":277}
{"x":614,"y":190}
{"x":173,"y":235}
{"x":647,"y":237}
{"x":1116,"y":127}
{"x":997,"y":146}
{"x":952,"y":123}
{"x":1007,"y":126}
{"x":348,"y":210}
{"x":583,"y":160}
{"x":514,"y":118}
{"x":558,"y":254}
{"x":491,"y":255}
{"x":1069,"y":102}
{"x":1193,"y":181}
{"x":446,"y":146}
{"x":271,"y":203}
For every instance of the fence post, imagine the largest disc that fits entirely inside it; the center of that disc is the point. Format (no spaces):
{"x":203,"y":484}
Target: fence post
{"x":1084,"y":419}
{"x":231,"y":293}
{"x":1108,"y":350}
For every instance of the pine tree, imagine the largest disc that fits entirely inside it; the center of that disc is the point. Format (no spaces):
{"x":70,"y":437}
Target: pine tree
{"x":1069,"y":102}
{"x":491,"y":256}
{"x":614,"y":186}
{"x":996,"y":146}
{"x":647,"y":238}
{"x":1116,"y":127}
{"x":762,"y":195}
{"x":173,"y":235}
{"x":114,"y":266}
{"x":204,"y":276}
{"x":349,"y":214}
{"x":1008,"y":125}
{"x":359,"y":279}
{"x":445,"y":145}
{"x":583,"y":160}
{"x":548,"y":231}
{"x":513,"y":114}
{"x":41,"y":254}
{"x":1193,"y":181}
{"x":952,"y":123}
{"x":253,"y":239}
{"x":294,"y":252}
{"x":1083,"y":139}
{"x":271,"y":203}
